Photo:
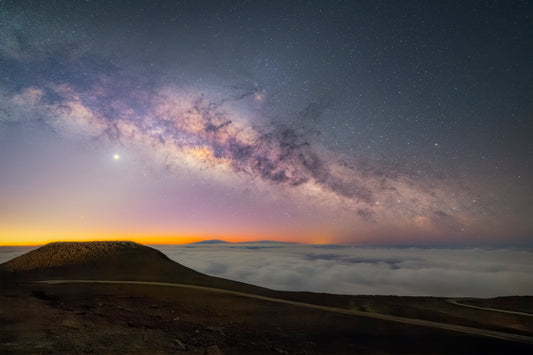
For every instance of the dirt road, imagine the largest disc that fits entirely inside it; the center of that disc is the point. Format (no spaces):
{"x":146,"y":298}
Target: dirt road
{"x":420,"y":322}
{"x":457,"y":302}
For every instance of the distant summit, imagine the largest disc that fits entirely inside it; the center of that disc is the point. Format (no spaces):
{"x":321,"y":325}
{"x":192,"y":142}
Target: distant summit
{"x":212,"y":241}
{"x":268,"y":242}
{"x":220,"y":241}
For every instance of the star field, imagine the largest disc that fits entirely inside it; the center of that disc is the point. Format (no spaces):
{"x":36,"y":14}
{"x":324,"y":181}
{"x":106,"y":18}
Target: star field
{"x":326,"y":121}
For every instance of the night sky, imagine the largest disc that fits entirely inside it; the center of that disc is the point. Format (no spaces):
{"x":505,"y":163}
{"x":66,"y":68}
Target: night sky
{"x":374,"y":122}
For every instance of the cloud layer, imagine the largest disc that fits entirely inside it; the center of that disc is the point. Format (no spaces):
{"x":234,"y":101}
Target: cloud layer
{"x":467,"y":272}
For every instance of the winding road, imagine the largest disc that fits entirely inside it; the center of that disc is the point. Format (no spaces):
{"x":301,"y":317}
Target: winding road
{"x":457,"y":302}
{"x":404,"y":320}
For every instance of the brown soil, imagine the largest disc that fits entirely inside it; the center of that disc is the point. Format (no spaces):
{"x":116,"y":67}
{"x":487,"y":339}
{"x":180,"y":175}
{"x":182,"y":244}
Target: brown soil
{"x":96,"y":318}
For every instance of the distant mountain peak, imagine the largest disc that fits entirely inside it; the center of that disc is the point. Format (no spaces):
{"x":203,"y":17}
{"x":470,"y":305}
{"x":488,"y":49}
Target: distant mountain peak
{"x":268,"y":242}
{"x":212,"y":241}
{"x":220,"y":241}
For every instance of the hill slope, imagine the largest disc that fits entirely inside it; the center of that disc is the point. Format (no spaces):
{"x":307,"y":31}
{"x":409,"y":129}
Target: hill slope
{"x":109,"y":260}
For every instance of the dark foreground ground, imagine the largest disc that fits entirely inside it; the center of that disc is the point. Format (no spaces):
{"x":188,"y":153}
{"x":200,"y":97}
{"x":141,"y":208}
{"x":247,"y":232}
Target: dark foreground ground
{"x":100,"y":318}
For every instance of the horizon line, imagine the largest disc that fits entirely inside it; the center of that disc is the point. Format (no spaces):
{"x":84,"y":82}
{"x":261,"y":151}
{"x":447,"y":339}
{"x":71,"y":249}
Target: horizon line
{"x":347,"y":244}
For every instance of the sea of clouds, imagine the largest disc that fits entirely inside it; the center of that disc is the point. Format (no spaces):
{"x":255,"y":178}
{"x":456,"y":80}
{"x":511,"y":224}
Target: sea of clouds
{"x":458,"y":272}
{"x":464,"y":272}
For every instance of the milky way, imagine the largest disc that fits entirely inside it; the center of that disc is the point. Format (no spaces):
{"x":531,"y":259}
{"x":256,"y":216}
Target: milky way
{"x":313,"y":107}
{"x":187,"y":128}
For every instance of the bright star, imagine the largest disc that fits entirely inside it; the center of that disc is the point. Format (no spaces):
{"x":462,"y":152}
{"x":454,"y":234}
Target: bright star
{"x":116,"y":157}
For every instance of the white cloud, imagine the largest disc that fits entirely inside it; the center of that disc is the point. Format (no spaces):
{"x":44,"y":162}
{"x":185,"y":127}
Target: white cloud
{"x":8,"y":253}
{"x":468,"y":272}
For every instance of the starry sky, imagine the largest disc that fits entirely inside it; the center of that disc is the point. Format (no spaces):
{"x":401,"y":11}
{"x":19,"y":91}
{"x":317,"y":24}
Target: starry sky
{"x":367,"y":122}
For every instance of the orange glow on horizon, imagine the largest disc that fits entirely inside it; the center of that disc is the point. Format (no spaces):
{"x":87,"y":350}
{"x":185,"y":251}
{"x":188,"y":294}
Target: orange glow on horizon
{"x":32,"y":238}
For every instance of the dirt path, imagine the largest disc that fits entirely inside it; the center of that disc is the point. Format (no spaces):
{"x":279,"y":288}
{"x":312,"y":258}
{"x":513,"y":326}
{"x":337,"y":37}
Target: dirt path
{"x":457,"y":302}
{"x":413,"y":321}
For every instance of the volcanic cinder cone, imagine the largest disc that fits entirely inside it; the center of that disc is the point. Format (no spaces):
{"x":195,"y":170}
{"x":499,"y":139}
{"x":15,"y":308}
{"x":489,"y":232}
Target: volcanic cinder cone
{"x":108,"y":260}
